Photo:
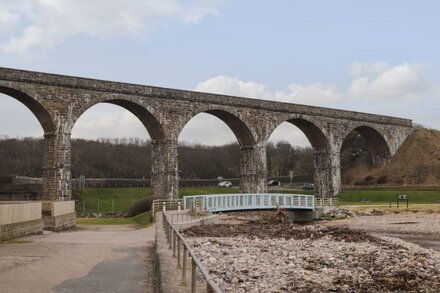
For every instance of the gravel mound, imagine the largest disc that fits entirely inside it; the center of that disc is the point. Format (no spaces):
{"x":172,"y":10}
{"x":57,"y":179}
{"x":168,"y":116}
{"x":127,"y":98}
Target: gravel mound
{"x":287,"y":231}
{"x":262,"y":257}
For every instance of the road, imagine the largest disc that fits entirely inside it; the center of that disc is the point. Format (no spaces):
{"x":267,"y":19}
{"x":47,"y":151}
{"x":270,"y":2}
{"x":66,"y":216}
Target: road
{"x":89,"y":259}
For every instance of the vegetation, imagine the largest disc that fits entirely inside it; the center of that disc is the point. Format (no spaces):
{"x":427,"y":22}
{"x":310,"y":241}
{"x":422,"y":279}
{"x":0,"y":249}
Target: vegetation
{"x":365,"y":196}
{"x":131,"y":158}
{"x":108,"y":200}
{"x":141,"y":220}
{"x":416,"y":163}
{"x":121,"y":200}
{"x":140,"y":206}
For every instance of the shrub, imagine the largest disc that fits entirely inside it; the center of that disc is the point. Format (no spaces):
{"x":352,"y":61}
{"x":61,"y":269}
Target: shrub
{"x":140,"y":206}
{"x":382,"y":179}
{"x":399,"y":181}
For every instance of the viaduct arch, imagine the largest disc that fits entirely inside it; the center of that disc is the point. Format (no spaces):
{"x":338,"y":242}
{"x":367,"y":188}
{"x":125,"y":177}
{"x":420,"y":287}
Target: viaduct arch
{"x":58,"y":101}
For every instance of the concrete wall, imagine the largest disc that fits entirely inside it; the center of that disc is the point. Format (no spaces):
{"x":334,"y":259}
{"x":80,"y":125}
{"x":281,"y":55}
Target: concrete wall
{"x":17,"y":212}
{"x":59,"y":216}
{"x":19,"y":219}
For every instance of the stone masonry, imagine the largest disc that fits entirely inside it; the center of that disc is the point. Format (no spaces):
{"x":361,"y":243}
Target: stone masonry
{"x":58,"y":101}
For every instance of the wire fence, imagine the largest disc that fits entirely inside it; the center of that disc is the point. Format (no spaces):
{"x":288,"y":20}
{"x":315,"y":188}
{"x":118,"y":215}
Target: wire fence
{"x":106,"y":206}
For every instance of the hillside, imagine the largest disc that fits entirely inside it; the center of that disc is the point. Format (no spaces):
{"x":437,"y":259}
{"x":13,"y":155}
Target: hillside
{"x":416,"y":162}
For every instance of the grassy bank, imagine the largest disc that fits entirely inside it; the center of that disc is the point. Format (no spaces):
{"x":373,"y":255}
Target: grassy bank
{"x":124,"y":198}
{"x":358,"y":196}
{"x":119,"y":200}
{"x":107,"y":200}
{"x":141,"y":220}
{"x":381,"y":195}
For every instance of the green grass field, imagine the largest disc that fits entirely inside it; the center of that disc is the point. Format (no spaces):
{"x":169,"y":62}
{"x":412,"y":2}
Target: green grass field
{"x":124,"y":198}
{"x":141,"y":220}
{"x":357,"y":196}
{"x":108,"y":200}
{"x":119,"y":200}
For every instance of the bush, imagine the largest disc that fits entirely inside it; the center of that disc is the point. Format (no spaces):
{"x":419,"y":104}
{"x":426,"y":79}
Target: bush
{"x":140,"y":206}
{"x":382,"y":179}
{"x":399,"y":181}
{"x":369,"y":180}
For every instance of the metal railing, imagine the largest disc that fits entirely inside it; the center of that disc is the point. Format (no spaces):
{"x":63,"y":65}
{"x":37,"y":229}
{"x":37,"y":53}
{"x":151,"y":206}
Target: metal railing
{"x":166,"y":205}
{"x":176,"y":242}
{"x":326,"y":202}
{"x":254,"y":201}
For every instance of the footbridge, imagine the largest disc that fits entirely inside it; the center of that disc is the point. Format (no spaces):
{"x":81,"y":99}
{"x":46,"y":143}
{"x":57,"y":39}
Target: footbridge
{"x":254,"y":201}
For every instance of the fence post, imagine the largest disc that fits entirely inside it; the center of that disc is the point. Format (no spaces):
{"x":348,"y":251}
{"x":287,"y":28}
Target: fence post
{"x":170,"y":232}
{"x":174,"y":243}
{"x":193,"y":276}
{"x":178,"y":253}
{"x":185,"y":256}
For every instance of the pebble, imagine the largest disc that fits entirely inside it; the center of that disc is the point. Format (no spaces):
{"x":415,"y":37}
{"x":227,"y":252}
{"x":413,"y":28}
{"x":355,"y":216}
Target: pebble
{"x":242,"y":264}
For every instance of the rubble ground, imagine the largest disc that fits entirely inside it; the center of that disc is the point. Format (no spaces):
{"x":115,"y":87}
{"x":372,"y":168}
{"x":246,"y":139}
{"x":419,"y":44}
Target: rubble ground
{"x":264,"y":256}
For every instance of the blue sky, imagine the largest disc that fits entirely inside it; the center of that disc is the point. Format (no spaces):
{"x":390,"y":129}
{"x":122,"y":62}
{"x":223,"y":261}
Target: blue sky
{"x":371,"y":56}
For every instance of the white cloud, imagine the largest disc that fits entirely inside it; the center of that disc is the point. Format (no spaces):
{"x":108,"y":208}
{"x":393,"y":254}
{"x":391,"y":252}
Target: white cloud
{"x":357,"y":69}
{"x":207,"y":129}
{"x":50,"y":21}
{"x":316,"y":93}
{"x":289,"y":132}
{"x":212,"y":131}
{"x":16,"y":120}
{"x":108,"y":121}
{"x":378,"y":81}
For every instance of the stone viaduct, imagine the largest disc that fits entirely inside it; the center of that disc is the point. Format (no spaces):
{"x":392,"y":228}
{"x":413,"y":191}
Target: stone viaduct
{"x":58,"y":101}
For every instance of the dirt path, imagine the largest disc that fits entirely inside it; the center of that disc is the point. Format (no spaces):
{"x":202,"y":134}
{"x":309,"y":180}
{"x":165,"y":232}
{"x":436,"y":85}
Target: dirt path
{"x":90,"y":259}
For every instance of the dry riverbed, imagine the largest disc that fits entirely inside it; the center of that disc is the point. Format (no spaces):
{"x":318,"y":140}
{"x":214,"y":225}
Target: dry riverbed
{"x":333,"y":256}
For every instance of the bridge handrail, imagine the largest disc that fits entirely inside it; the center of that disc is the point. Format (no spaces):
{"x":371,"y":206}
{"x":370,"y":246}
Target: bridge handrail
{"x":175,"y":239}
{"x":326,"y":202}
{"x":168,"y":204}
{"x":247,"y":201}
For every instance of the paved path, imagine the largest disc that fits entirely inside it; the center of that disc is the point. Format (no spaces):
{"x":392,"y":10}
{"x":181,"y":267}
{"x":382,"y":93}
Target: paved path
{"x":91,"y":259}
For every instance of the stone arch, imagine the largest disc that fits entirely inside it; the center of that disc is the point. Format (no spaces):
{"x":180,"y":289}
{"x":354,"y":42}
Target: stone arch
{"x":311,"y":130}
{"x":232,"y":119}
{"x":149,"y":117}
{"x":325,"y":185}
{"x":42,"y":112}
{"x":379,"y":148}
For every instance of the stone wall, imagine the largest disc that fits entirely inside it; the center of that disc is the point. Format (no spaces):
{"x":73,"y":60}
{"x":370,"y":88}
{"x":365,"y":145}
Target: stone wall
{"x":59,"y":223}
{"x":17,"y":230}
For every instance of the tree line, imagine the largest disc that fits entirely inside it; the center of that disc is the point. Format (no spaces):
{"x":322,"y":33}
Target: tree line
{"x":131,"y":158}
